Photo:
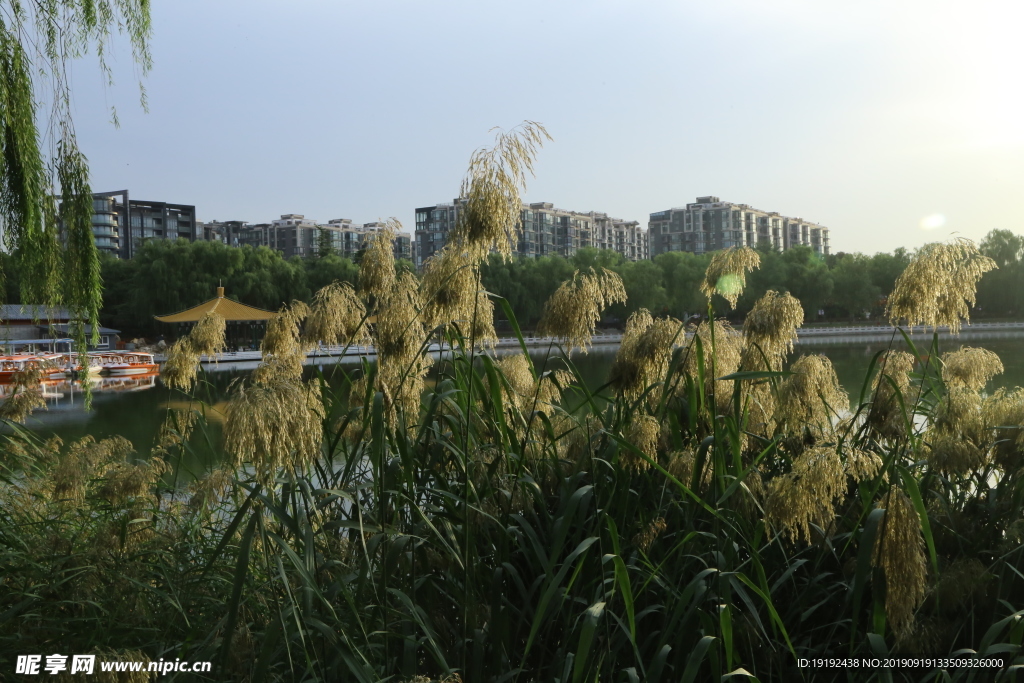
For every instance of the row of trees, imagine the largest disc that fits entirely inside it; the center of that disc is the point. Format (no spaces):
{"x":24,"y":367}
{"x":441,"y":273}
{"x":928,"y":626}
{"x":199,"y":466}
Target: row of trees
{"x":170,"y":276}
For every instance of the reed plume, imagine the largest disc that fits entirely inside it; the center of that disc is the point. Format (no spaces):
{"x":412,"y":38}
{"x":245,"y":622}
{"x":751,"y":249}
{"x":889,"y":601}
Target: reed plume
{"x":643,"y":433}
{"x":489,"y":217}
{"x":27,"y":396}
{"x":274,"y":424}
{"x":336,"y":318}
{"x":183,"y":357}
{"x":573,"y":311}
{"x":449,"y":287}
{"x":938,"y":287}
{"x":970,"y":367}
{"x":720,"y":359}
{"x":646,"y":537}
{"x":899,"y":551}
{"x":283,"y":351}
{"x":1004,"y":413}
{"x":206,"y":338}
{"x":770,"y":331}
{"x":726,"y":275}
{"x":398,"y":336}
{"x":644,"y":353}
{"x":810,"y":397}
{"x":806,"y":495}
{"x":885,"y":416}
{"x":377,"y":267}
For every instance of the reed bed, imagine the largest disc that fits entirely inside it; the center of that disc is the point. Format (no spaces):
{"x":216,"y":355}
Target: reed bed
{"x":704,"y":515}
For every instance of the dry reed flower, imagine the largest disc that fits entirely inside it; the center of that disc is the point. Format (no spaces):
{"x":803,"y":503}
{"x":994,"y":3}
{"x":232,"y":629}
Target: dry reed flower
{"x":377,"y":267}
{"x":643,"y":434}
{"x":399,"y":338}
{"x":862,"y":465}
{"x":681,"y":464}
{"x":490,"y":215}
{"x":951,"y":453}
{"x":282,"y":349}
{"x":275,"y":425}
{"x":123,"y":482}
{"x":885,"y":416}
{"x":181,"y":367}
{"x":336,"y":318}
{"x":726,"y":275}
{"x":962,"y":580}
{"x":959,"y":414}
{"x":1004,"y":413}
{"x":770,"y":330}
{"x":721,"y":357}
{"x":449,"y":286}
{"x":574,"y":310}
{"x":899,"y":551}
{"x":398,"y":332}
{"x":809,"y":398}
{"x":970,"y":367}
{"x":515,"y":368}
{"x":806,"y":495}
{"x":206,"y":337}
{"x":646,"y":536}
{"x":644,"y":354}
{"x":85,"y":460}
{"x":27,"y":396}
{"x":402,"y":387}
{"x":175,"y":429}
{"x":939,"y":285}
{"x":183,"y":357}
{"x":212,"y":487}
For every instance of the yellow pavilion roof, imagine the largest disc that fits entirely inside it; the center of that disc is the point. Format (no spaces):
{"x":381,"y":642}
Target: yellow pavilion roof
{"x":231,"y":310}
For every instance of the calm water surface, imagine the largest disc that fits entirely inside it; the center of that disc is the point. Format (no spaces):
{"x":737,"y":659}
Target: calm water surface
{"x":135,"y":410}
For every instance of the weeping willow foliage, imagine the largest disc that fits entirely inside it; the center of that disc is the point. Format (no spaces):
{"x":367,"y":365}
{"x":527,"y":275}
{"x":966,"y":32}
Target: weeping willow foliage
{"x":45,"y":199}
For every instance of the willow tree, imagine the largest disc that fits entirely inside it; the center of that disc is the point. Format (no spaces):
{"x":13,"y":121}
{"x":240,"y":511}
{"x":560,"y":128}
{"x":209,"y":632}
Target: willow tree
{"x":45,"y":198}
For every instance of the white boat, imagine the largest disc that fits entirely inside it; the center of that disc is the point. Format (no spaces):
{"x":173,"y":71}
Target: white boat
{"x":128,"y":363}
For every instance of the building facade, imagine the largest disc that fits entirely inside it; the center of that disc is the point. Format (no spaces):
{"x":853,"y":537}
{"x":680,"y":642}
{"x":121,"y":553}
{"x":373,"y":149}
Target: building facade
{"x":121,"y":225}
{"x":625,"y":237}
{"x":545,"y":230}
{"x":709,"y":224}
{"x":225,"y":232}
{"x":295,"y":235}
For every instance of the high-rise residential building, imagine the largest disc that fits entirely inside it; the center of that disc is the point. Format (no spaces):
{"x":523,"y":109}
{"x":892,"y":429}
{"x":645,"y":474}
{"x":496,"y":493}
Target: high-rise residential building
{"x":433,"y":223}
{"x":225,"y":232}
{"x":295,"y":235}
{"x":121,"y":225}
{"x":625,"y":237}
{"x":544,"y":230}
{"x":709,"y":224}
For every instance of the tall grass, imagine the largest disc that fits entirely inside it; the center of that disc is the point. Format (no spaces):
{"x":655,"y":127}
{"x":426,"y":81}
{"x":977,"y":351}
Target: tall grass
{"x":705,"y":514}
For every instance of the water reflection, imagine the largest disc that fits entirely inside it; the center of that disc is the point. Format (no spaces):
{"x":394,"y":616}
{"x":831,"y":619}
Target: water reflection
{"x":135,"y":406}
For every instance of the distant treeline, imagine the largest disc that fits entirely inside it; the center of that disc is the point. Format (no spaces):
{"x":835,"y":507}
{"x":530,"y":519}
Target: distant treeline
{"x":170,"y":276}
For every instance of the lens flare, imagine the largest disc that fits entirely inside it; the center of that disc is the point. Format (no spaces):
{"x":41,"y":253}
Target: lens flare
{"x":935,"y":220}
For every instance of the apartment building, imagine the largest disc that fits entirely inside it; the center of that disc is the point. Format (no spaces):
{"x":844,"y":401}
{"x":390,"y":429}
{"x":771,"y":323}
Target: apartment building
{"x":295,"y":235}
{"x":120,"y":225}
{"x":709,"y":224}
{"x":225,"y":232}
{"x":545,"y":230}
{"x":625,"y":237}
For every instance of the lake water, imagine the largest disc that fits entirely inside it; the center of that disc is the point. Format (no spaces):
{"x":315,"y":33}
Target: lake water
{"x":135,"y":409}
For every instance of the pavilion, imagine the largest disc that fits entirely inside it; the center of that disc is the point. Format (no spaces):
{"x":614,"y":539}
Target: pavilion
{"x":245,"y":324}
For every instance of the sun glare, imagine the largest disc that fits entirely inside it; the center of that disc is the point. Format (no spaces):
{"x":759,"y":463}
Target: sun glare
{"x":930,"y":222}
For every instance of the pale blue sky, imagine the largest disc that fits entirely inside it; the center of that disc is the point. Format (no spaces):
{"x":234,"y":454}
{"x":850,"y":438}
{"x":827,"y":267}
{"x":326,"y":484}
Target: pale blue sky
{"x":866,"y":117}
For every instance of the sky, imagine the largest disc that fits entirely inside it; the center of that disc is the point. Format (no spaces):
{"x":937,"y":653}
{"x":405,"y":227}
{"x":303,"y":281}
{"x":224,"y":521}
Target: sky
{"x":893,"y":123}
